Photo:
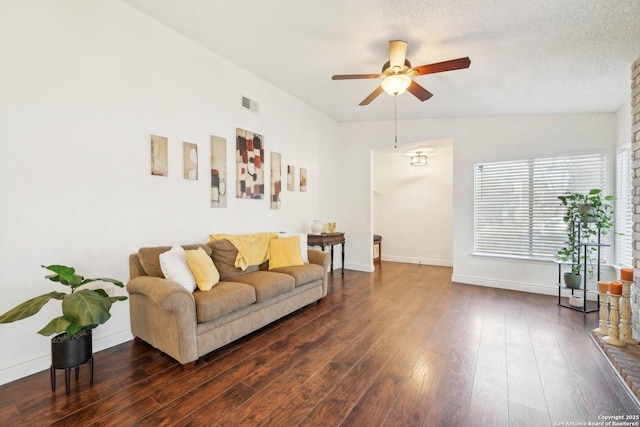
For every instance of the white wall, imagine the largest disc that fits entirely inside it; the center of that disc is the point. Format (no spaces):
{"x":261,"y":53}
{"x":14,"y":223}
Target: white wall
{"x":84,"y":84}
{"x":413,"y":206}
{"x":481,"y":139}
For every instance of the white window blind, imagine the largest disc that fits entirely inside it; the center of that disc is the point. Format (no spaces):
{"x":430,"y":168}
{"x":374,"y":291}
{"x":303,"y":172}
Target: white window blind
{"x":516,"y":206}
{"x":624,"y":209}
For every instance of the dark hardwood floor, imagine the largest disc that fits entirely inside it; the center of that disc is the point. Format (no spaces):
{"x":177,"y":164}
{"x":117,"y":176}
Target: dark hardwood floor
{"x":399,"y":347}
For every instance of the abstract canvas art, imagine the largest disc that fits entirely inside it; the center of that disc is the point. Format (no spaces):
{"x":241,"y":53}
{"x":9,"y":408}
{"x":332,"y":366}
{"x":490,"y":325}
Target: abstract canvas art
{"x":190,"y":160}
{"x":276,"y":180}
{"x":291,"y":178}
{"x":159,"y":156}
{"x":249,"y":165}
{"x":303,"y":179}
{"x":218,"y":172}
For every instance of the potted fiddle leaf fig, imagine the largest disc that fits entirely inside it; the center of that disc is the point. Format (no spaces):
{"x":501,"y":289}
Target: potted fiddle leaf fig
{"x":587,"y":216}
{"x":82,"y":311}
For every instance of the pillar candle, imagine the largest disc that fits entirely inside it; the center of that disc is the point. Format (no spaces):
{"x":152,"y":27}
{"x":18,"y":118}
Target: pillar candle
{"x":603,"y":287}
{"x":615,"y":288}
{"x":626,"y":274}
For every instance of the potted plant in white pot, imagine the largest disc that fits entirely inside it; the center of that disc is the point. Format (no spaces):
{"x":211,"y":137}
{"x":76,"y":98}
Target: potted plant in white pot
{"x":82,"y":311}
{"x":587,"y":216}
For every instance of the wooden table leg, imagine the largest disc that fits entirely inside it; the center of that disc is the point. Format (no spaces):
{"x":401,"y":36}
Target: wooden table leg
{"x":331,"y":258}
{"x":343,"y":258}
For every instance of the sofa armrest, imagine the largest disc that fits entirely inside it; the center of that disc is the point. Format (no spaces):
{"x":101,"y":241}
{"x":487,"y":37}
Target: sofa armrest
{"x":323,"y":259}
{"x":163,"y":313}
{"x":320,"y":258}
{"x":167,"y":294}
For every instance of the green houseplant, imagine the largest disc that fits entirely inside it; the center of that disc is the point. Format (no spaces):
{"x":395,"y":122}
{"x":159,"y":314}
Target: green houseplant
{"x":587,"y":216}
{"x":82,"y":311}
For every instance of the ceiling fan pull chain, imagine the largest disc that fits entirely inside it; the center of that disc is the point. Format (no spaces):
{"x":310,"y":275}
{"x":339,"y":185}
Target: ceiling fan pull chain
{"x":395,"y":118}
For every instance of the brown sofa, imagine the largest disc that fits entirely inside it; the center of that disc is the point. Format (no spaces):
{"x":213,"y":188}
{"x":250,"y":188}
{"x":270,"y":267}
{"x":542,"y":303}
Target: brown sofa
{"x":186,"y":325}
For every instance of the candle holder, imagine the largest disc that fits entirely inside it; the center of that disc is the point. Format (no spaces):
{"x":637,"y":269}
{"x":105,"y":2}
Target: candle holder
{"x":603,"y":327}
{"x":614,"y":319}
{"x":625,"y":314}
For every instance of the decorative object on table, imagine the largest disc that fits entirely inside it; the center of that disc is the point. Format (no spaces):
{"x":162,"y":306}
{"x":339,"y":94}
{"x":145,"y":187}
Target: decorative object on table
{"x":626,"y":276}
{"x":276,"y":180}
{"x":249,"y":165}
{"x":82,"y":310}
{"x":303,"y":179}
{"x":159,"y":156}
{"x":331,"y":227}
{"x":316,"y":226}
{"x":615,"y":292}
{"x":291,"y":178}
{"x":603,"y":327}
{"x":190,"y":160}
{"x":588,"y":218}
{"x":218,"y":172}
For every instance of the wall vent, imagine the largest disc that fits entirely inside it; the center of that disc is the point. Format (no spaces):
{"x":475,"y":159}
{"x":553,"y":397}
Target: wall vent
{"x":250,"y":104}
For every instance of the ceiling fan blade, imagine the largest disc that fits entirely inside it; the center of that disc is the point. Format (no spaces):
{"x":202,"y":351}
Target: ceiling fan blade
{"x":373,"y":95}
{"x":439,"y":67}
{"x":397,"y":53}
{"x":354,"y":76}
{"x":419,"y":92}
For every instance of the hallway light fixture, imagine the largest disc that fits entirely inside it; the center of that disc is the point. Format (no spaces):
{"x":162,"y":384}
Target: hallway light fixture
{"x":419,"y":159}
{"x":418,"y":156}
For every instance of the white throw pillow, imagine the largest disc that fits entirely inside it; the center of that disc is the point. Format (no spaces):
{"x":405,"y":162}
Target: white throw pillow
{"x":303,"y":245}
{"x":173,"y":264}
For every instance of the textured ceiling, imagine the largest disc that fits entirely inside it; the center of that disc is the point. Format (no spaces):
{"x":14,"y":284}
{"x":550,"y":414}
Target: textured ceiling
{"x":527,"y":56}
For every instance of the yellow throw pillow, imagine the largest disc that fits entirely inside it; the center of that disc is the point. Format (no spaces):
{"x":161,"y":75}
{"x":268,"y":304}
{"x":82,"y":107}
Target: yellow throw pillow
{"x":203,"y":270}
{"x":284,"y":252}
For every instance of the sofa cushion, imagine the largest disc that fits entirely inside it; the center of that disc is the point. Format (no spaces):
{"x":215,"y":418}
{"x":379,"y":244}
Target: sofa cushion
{"x":224,"y":298}
{"x":302,"y":242}
{"x":224,"y":257}
{"x":174,"y":267}
{"x":150,"y":257}
{"x":203,"y":269}
{"x":267,"y":283}
{"x":302,"y":274}
{"x":285,"y":252}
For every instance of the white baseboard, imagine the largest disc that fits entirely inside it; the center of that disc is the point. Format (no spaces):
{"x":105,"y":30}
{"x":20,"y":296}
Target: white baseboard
{"x":421,"y":261}
{"x":43,"y":362}
{"x":535,"y":288}
{"x":359,"y":267}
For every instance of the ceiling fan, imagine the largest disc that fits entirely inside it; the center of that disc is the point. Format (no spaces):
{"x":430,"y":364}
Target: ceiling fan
{"x":397,"y":73}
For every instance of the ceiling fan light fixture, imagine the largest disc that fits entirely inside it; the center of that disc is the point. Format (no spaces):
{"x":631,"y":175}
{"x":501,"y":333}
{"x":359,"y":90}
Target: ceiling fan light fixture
{"x":396,"y":84}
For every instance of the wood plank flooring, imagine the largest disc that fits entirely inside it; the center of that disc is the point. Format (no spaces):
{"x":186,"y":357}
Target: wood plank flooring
{"x":399,"y":347}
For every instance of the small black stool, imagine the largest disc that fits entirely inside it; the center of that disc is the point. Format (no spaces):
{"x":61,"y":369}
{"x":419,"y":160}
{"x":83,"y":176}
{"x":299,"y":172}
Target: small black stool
{"x":377,"y":240}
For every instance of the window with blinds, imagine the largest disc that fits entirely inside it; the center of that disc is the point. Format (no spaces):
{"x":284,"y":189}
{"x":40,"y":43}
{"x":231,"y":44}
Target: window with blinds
{"x":624,"y":209}
{"x":516,"y":206}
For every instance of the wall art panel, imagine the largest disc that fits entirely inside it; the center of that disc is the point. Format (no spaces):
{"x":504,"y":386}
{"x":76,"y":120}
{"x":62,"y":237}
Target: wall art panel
{"x":276,"y":180}
{"x":249,"y":165}
{"x":159,"y":156}
{"x":303,"y":179}
{"x":190,"y":160}
{"x":218,"y":172}
{"x":291,"y":178}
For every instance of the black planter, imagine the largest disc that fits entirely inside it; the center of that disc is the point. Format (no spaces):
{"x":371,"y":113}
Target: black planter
{"x":68,"y":353}
{"x":71,"y":353}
